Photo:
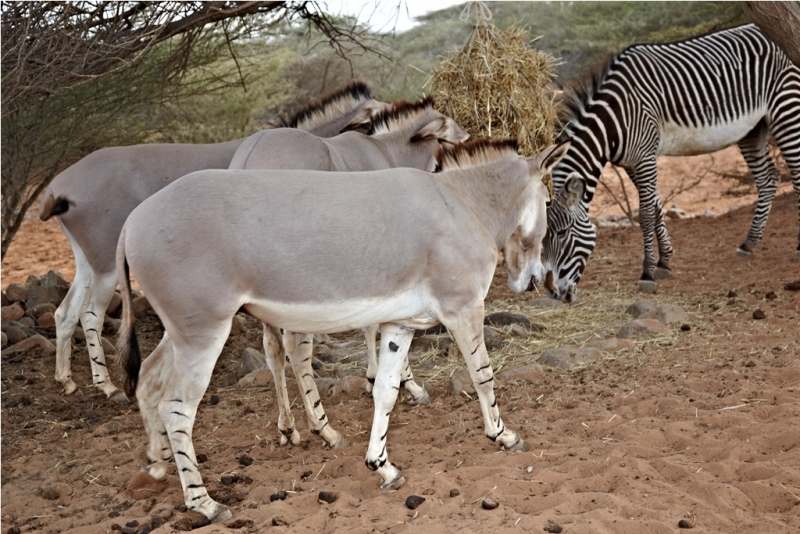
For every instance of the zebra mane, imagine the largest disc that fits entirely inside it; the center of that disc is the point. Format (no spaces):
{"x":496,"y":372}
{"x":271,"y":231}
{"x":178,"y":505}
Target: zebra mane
{"x":330,"y":106}
{"x":474,"y":153}
{"x":401,"y":114}
{"x":577,"y":94}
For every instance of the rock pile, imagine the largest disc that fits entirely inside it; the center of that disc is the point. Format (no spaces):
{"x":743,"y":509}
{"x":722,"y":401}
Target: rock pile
{"x":28,"y":312}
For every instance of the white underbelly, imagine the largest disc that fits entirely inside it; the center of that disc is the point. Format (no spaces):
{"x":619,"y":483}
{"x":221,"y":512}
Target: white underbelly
{"x":679,"y":140}
{"x":412,"y":308}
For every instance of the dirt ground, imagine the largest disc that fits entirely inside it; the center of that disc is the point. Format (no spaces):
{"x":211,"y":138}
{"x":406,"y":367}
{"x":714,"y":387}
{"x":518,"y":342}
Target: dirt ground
{"x":697,"y":424}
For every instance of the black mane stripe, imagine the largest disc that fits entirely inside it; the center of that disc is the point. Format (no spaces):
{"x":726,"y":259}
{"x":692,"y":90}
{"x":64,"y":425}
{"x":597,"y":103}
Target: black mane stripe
{"x":400,"y":110}
{"x":355,"y":90}
{"x":474,"y":153}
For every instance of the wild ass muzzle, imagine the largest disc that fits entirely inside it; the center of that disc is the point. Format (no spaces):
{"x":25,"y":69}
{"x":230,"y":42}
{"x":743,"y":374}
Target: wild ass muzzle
{"x":93,"y":197}
{"x":402,"y":248}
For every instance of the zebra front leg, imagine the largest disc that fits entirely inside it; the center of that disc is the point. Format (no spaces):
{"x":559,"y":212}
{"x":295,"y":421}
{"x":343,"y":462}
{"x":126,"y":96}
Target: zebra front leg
{"x":154,"y":374}
{"x":395,"y":341}
{"x":101,"y":290}
{"x":755,"y":149}
{"x":276,"y":361}
{"x":467,"y":329}
{"x":299,"y":349}
{"x":193,"y":363}
{"x":370,"y":334}
{"x":68,"y":314}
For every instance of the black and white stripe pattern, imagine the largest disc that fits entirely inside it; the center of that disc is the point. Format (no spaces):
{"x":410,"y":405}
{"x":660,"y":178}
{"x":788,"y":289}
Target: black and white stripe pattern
{"x":684,"y":98}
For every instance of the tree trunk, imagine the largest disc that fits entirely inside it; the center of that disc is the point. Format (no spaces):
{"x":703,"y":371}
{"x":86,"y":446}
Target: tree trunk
{"x":780,"y":21}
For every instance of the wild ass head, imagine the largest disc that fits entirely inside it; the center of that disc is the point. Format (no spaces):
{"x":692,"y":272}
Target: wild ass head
{"x":523,"y":249}
{"x":413,"y":129}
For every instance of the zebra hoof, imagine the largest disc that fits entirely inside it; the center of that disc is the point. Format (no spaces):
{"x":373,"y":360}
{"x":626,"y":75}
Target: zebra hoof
{"x":395,"y":484}
{"x":662,"y":273}
{"x":744,"y":253}
{"x":221,"y":513}
{"x":647,"y":286}
{"x":340,"y":443}
{"x":422,"y":400}
{"x":69,"y":387}
{"x":118,"y":396}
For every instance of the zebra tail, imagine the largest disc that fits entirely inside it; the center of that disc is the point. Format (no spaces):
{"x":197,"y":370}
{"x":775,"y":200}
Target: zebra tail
{"x":128,"y":353}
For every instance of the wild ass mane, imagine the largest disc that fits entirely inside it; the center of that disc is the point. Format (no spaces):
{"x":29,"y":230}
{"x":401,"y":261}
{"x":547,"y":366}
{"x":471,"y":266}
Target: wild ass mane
{"x":400,"y":115}
{"x":330,"y":106}
{"x":474,"y":153}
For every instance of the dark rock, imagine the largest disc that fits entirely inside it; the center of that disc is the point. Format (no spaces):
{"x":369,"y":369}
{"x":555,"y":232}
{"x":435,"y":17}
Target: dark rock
{"x":241,"y":523}
{"x":413,"y":501}
{"x":245,"y":460}
{"x":489,"y":504}
{"x":13,"y":312}
{"x":667,"y":314}
{"x":792,"y":286}
{"x":132,"y":524}
{"x":5,"y":340}
{"x":552,"y":528}
{"x":40,"y":309}
{"x":237,"y":325}
{"x":280,"y":496}
{"x":114,"y":304}
{"x":230,"y":480}
{"x":4,"y":299}
{"x":46,"y":320}
{"x":328,"y":496}
{"x":639,"y":307}
{"x":16,"y":293}
{"x":432,"y":331}
{"x":32,"y":342}
{"x":759,"y":314}
{"x":16,"y":332}
{"x":261,"y":377}
{"x":279,"y":521}
{"x":111,"y":325}
{"x":528,"y":373}
{"x":683,"y":523}
{"x":202,"y":458}
{"x":685,"y":328}
{"x":568,"y":357}
{"x":141,"y":306}
{"x":213,"y":400}
{"x":494,"y":341}
{"x":50,"y":494}
{"x":771,"y":295}
{"x":316,"y":364}
{"x":641,"y":327}
{"x":455,"y":492}
{"x":506,"y":318}
{"x":426,"y":343}
{"x":460,"y":382}
{"x":252,"y":360}
{"x":50,"y":288}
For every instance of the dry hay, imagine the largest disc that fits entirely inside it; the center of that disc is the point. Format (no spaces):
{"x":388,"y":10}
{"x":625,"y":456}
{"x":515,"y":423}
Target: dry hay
{"x":496,"y":86}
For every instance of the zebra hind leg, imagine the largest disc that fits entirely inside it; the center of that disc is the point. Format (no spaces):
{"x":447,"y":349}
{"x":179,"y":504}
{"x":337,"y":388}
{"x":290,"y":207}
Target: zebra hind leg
{"x":755,"y":150}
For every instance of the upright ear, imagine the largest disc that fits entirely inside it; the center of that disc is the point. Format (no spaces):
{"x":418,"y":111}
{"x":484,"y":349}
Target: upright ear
{"x":572,"y":193}
{"x":547,"y":158}
{"x":369,"y":110}
{"x":443,"y":129}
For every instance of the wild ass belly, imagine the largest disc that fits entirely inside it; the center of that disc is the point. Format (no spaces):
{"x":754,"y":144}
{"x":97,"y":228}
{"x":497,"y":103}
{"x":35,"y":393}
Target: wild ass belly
{"x":413,"y":308}
{"x":678,"y":140}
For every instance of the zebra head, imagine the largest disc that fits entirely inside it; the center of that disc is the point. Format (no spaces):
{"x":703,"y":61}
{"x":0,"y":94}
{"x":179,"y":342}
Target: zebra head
{"x":570,"y":239}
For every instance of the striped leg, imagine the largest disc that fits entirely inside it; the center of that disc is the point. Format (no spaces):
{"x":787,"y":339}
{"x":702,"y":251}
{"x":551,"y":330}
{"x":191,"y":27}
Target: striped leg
{"x":299,"y":349}
{"x":395,"y":341}
{"x":193,"y":363}
{"x":467,"y":329}
{"x":276,"y":361}
{"x":101,"y":290}
{"x":68,"y":314}
{"x":755,"y":150}
{"x":645,"y":181}
{"x":419,"y":397}
{"x":665,"y":249}
{"x":154,"y":373}
{"x":785,"y":128}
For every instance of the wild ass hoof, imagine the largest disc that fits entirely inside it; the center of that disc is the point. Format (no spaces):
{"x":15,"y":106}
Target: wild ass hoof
{"x":157,"y":470}
{"x":219,"y":513}
{"x":423,"y":400}
{"x":662,"y":273}
{"x":294,"y":437}
{"x":518,"y":446}
{"x":395,"y":484}
{"x":118,"y":396}
{"x":339,"y":443}
{"x":647,"y":286}
{"x":69,"y":387}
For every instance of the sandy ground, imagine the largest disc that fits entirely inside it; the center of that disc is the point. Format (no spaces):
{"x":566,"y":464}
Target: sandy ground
{"x":698,"y":425}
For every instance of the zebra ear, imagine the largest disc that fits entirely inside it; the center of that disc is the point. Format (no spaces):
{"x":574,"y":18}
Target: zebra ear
{"x":572,"y":193}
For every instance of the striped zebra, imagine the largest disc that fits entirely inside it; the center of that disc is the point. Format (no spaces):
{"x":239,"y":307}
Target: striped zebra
{"x":684,"y":98}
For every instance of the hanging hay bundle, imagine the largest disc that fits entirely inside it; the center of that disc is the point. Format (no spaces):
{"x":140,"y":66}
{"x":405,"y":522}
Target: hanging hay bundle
{"x":496,"y":86}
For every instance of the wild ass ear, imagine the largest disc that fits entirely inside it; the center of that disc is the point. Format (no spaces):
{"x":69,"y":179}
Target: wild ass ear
{"x":547,"y":158}
{"x":442,"y":129}
{"x":572,"y":193}
{"x":370,"y":109}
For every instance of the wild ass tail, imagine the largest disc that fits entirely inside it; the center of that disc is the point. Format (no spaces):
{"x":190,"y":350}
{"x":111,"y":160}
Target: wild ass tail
{"x":52,"y":205}
{"x":127,"y":345}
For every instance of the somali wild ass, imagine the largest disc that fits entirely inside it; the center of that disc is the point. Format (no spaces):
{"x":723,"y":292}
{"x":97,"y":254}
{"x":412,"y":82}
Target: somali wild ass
{"x":404,"y":135}
{"x":402,"y":248}
{"x":93,"y":197}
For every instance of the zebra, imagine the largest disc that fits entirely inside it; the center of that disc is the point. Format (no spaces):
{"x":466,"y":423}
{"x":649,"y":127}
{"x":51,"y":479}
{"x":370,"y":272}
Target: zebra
{"x":683,"y":98}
